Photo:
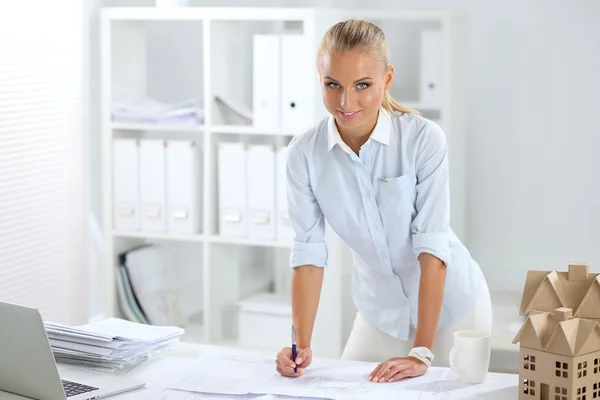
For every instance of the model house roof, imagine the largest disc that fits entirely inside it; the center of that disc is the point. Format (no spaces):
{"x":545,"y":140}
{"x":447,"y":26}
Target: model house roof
{"x":577,"y":289}
{"x":559,"y":333}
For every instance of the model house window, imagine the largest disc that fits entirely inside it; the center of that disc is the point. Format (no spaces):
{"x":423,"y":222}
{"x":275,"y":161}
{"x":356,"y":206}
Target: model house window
{"x":582,"y":369}
{"x":562,"y":369}
{"x":529,"y":387}
{"x":560,"y":393}
{"x":596,"y":391}
{"x":581,"y":393}
{"x":596,"y":365}
{"x":529,"y":362}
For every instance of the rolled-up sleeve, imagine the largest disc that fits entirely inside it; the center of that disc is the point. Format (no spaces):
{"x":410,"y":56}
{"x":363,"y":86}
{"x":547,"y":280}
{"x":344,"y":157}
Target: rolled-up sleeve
{"x":308,"y":222}
{"x":431,"y":224}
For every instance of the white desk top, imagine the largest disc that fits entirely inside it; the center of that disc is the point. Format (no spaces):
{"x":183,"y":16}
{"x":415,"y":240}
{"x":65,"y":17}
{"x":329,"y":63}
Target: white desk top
{"x":192,"y":350}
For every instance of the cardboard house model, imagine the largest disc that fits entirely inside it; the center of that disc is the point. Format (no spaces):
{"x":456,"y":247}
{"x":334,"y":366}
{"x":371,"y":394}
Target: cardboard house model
{"x":560,"y":339}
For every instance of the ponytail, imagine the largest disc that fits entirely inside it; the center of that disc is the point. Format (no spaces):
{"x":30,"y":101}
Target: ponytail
{"x":393,"y":107}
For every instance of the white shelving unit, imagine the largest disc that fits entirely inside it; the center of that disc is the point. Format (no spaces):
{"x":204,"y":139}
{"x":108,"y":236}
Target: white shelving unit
{"x":196,"y":52}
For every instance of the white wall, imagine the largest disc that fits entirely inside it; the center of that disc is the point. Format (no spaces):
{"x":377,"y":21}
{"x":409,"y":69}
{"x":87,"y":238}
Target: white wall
{"x":530,"y":75}
{"x":41,"y":158}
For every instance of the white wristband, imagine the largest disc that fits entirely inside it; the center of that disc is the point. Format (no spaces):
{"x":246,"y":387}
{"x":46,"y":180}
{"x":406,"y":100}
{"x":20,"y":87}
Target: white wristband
{"x":423,"y":354}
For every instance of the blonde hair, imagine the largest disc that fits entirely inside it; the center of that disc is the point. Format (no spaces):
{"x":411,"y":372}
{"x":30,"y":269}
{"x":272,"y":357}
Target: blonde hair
{"x":360,"y":35}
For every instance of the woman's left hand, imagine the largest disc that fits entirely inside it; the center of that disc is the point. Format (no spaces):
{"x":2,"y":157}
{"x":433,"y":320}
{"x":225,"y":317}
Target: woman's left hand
{"x":397,"y":368}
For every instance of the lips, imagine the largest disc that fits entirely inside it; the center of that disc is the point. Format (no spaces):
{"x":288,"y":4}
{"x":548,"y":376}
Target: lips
{"x":348,"y":115}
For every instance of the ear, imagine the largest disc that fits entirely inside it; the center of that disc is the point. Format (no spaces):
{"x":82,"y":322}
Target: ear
{"x":389,"y":77}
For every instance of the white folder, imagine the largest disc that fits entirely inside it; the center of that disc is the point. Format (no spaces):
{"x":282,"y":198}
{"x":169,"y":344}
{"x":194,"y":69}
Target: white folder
{"x":297,"y":113}
{"x":126,"y":184}
{"x":261,"y":191}
{"x":232,"y":189}
{"x":152,"y":185}
{"x":266,"y":82}
{"x":184,"y":187}
{"x":283,"y":226}
{"x":432,"y":68}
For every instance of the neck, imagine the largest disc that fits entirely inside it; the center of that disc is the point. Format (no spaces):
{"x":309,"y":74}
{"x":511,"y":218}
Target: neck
{"x":358,"y":136}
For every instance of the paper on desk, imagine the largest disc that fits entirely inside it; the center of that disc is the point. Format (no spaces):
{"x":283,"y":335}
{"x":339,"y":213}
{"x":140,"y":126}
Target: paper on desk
{"x":230,"y":374}
{"x":179,"y":395}
{"x":127,"y":330}
{"x":164,"y":371}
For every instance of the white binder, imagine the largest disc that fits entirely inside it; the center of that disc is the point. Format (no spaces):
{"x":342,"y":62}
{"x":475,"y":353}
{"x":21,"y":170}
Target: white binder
{"x":266,"y":82}
{"x":296,"y":81}
{"x":152,"y":185}
{"x":283,"y":223}
{"x":126,"y":184}
{"x":432,"y":68}
{"x":261,"y":191}
{"x":232,"y":189}
{"x":184,"y":187}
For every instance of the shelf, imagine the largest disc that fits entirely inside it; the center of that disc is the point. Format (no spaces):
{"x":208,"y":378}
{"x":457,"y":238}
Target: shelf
{"x":248,"y":242}
{"x":156,"y":127}
{"x":160,"y":236}
{"x":247,"y":130}
{"x":201,"y":238}
{"x":227,"y":129}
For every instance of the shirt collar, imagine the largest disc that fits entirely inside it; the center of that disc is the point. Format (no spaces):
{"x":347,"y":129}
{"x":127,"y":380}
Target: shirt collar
{"x":381,"y":132}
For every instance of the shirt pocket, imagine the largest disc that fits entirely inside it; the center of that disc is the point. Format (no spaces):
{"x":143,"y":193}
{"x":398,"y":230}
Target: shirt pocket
{"x":396,"y":200}
{"x":397,"y":188}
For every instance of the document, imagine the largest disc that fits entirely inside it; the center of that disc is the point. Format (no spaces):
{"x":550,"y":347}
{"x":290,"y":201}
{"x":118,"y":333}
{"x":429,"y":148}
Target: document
{"x":328,"y":379}
{"x":179,"y":395}
{"x":231,"y":374}
{"x":109,"y":345}
{"x":129,"y":331}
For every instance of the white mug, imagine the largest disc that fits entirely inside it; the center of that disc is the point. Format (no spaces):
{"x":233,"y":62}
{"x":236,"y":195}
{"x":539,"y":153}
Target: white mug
{"x":470,"y":356}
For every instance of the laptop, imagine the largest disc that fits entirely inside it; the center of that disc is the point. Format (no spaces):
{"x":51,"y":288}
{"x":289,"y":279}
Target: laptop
{"x":28,"y":368}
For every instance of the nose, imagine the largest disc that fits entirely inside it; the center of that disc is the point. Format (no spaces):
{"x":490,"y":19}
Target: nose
{"x":347,"y":100}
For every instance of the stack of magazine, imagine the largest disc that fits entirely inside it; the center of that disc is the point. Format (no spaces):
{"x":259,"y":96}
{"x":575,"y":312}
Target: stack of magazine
{"x":111,"y":344}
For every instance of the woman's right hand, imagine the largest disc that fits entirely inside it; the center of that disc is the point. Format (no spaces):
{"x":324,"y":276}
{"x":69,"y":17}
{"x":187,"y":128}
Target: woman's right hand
{"x":286,"y":363}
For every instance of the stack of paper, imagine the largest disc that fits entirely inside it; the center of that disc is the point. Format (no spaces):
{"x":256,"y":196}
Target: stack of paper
{"x":111,"y":344}
{"x":150,"y":111}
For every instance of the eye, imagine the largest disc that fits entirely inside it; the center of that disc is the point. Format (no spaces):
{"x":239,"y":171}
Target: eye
{"x":333,"y":85}
{"x":363,"y":85}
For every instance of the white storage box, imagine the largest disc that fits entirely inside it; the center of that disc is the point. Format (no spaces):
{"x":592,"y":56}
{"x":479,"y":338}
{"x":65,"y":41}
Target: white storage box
{"x":265,"y":320}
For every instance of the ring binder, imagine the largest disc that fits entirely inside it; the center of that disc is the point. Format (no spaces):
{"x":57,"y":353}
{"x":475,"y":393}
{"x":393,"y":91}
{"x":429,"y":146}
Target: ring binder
{"x":260,"y":217}
{"x":232,"y":217}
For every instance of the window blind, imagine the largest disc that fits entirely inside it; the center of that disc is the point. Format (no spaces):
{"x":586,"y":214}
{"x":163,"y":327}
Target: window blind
{"x":41,"y":166}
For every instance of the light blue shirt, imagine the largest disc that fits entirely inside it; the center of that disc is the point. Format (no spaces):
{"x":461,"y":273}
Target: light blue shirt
{"x":389,"y":204}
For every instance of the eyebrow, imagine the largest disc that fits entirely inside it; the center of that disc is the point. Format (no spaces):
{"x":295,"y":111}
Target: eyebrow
{"x":358,"y":80}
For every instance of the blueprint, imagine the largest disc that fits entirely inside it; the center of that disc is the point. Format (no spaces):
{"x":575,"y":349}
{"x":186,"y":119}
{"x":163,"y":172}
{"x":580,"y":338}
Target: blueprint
{"x":249,"y":377}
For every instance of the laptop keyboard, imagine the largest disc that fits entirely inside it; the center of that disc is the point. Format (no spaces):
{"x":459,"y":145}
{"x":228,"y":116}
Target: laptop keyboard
{"x":73,"y":389}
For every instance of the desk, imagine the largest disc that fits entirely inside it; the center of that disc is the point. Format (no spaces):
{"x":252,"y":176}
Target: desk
{"x":193,"y":350}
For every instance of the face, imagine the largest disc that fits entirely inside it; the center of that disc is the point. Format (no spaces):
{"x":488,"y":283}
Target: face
{"x":353,"y":86}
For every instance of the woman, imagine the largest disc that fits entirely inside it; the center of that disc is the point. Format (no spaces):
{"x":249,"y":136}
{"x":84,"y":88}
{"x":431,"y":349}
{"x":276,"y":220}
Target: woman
{"x":378,"y":172}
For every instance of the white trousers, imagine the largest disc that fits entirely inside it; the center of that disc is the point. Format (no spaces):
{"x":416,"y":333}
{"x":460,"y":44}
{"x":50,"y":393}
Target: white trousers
{"x":367,"y":343}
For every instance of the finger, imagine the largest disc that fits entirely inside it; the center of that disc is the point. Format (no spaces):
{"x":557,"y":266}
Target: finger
{"x":404,"y":373}
{"x":396,"y":369}
{"x":372,"y":375}
{"x":285,"y":358}
{"x":384,"y":368}
{"x":303,"y":355}
{"x":289,"y":372}
{"x":287,"y":369}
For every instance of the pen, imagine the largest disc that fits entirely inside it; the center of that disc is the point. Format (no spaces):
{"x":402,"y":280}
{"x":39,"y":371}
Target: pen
{"x":294,"y":349}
